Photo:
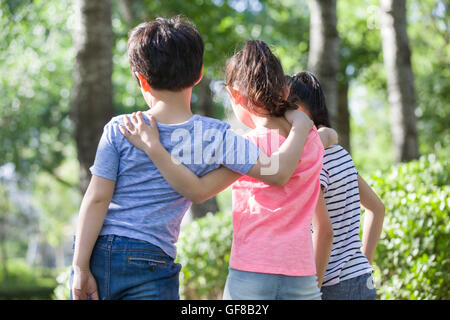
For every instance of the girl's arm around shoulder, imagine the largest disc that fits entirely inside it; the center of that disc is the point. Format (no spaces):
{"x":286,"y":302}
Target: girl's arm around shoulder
{"x":274,"y":170}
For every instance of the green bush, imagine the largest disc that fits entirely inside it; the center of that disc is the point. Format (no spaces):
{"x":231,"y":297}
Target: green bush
{"x":204,"y":252}
{"x":24,"y":282}
{"x":62,"y":290}
{"x":412,"y":258}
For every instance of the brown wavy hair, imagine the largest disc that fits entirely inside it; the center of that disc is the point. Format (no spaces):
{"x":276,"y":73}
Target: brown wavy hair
{"x":257,"y":73}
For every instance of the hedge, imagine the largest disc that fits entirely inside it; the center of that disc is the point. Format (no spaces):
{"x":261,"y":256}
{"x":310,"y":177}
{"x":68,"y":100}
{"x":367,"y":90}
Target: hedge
{"x":412,"y":258}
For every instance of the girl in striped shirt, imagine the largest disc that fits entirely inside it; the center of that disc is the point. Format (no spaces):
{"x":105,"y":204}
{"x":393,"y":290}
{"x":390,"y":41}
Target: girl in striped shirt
{"x":348,"y":274}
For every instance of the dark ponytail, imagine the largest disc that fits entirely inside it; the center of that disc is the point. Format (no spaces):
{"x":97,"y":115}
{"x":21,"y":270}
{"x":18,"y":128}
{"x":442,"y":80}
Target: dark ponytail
{"x":258,"y":74}
{"x":304,"y":88}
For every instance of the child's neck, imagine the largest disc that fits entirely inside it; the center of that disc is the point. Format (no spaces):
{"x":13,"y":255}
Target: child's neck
{"x":170,"y":107}
{"x":275,"y":123}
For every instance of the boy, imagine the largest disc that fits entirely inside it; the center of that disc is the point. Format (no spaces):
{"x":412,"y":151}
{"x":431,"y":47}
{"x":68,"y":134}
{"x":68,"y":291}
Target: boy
{"x":130,"y":217}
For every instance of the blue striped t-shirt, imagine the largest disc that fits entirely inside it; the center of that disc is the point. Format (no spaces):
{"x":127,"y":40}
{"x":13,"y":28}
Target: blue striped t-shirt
{"x":339,"y":180}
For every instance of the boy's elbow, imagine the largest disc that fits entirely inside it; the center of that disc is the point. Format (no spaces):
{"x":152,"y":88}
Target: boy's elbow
{"x":98,"y":197}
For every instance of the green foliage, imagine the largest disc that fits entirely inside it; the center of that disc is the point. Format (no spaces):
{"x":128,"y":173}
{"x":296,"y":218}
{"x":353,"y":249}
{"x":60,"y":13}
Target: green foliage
{"x":428,"y":30}
{"x":412,"y":258}
{"x":370,"y":132}
{"x":57,"y":203}
{"x":204,"y":252}
{"x":24,"y":282}
{"x":36,"y":59}
{"x":62,"y":290}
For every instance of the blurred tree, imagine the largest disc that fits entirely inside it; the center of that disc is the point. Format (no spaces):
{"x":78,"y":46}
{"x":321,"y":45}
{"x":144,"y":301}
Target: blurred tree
{"x":359,"y":49}
{"x":400,"y":79}
{"x":92,"y":97}
{"x":324,"y":52}
{"x":429,"y":36}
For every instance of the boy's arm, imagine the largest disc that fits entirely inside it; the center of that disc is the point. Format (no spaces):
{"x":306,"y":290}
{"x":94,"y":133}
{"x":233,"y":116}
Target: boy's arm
{"x":373,"y":219}
{"x":90,"y":220}
{"x":185,"y":182}
{"x":322,"y":238}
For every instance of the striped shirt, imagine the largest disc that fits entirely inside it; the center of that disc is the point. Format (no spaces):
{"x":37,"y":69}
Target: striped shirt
{"x":339,"y":181}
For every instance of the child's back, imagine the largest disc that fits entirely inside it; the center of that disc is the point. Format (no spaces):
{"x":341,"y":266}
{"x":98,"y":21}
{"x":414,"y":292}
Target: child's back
{"x":339,"y":180}
{"x":144,"y":206}
{"x":272,"y":223}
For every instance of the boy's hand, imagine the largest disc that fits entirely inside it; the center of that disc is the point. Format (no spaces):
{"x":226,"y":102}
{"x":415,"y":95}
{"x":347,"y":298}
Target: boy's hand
{"x":141,"y":135}
{"x":84,"y":285}
{"x":299,"y":119}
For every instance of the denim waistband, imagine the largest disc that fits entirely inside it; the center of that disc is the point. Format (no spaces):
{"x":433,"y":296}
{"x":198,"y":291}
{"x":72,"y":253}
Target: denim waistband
{"x":120,"y":243}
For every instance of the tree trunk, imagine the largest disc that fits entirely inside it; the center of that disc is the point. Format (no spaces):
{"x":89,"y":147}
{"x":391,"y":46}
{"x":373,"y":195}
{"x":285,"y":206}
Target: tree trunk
{"x":323,"y":58}
{"x":343,"y":116}
{"x":92,"y":98}
{"x":204,"y":106}
{"x":400,"y":79}
{"x":126,"y":10}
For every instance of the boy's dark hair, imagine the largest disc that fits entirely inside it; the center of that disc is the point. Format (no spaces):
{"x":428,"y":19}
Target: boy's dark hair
{"x":306,"y":89}
{"x":257,"y":73}
{"x":167,"y":52}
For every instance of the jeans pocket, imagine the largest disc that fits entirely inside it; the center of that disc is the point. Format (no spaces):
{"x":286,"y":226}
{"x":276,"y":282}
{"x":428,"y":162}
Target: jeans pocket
{"x":146,"y":262}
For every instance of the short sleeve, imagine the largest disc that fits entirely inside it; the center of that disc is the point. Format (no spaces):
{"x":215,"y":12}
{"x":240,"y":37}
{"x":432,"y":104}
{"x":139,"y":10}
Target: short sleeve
{"x":106,"y":163}
{"x":324,"y":179}
{"x":240,"y":154}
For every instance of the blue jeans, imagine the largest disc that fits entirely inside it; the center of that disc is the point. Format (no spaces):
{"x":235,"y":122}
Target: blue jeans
{"x":132,"y":269}
{"x":243,"y":285}
{"x":357,"y":288}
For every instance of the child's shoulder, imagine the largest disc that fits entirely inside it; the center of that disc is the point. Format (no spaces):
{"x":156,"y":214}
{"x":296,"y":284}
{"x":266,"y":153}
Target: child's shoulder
{"x":335,"y":155}
{"x":116,"y":120}
{"x":212,"y":122}
{"x":335,"y":150}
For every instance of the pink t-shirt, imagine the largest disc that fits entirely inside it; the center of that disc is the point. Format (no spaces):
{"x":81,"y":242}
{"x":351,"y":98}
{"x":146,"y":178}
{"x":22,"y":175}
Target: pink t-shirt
{"x":272,"y":224}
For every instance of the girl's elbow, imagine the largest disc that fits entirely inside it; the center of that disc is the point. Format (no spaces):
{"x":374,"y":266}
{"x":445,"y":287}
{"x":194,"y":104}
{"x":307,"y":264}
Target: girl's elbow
{"x":381,"y":209}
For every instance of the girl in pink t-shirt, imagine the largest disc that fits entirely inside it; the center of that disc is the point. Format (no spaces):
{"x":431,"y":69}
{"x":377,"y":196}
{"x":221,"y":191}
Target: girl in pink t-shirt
{"x":273,"y":255}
